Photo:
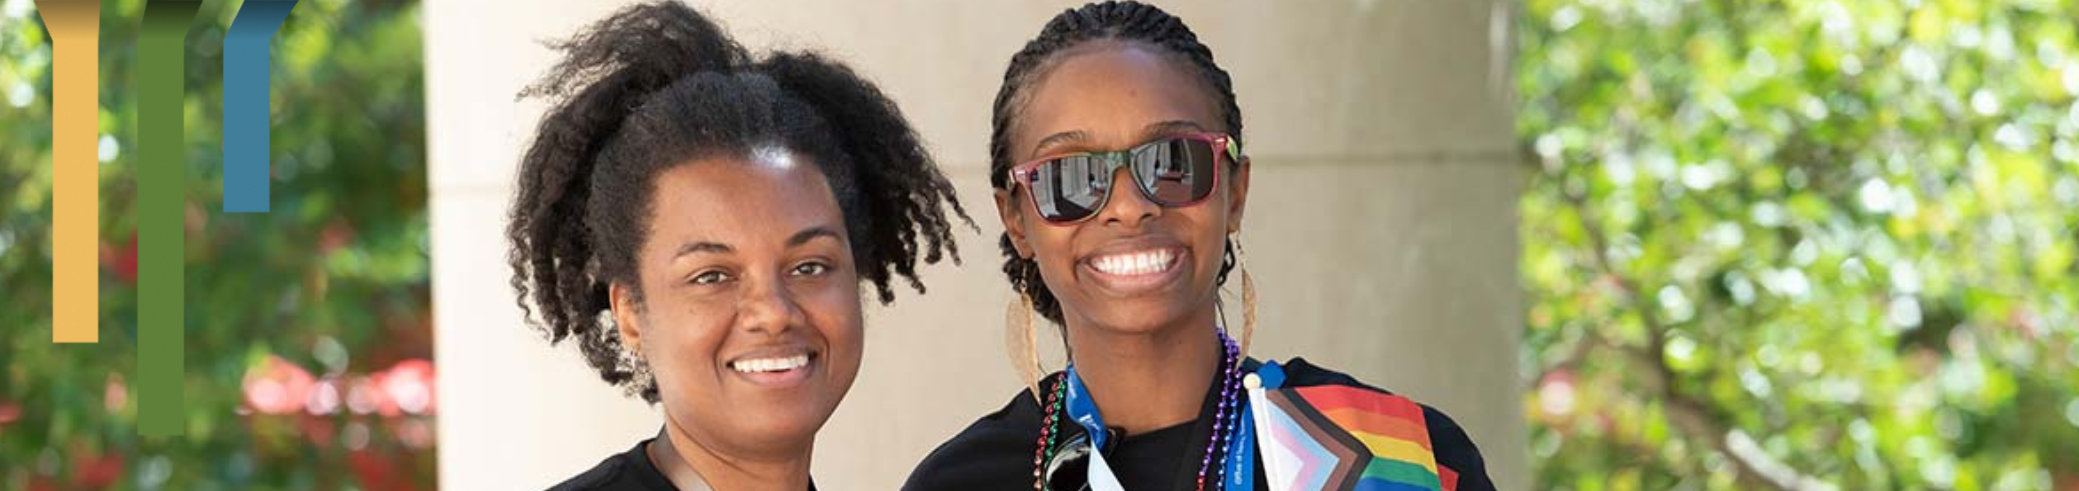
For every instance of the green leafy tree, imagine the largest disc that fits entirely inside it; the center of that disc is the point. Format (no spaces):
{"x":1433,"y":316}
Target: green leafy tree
{"x":303,"y":324}
{"x":1802,"y":244}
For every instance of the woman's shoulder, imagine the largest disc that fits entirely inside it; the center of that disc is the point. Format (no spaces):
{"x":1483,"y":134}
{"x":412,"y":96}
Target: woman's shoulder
{"x":991,"y":453}
{"x":1457,"y":456}
{"x":599,"y":477}
{"x":629,"y":471}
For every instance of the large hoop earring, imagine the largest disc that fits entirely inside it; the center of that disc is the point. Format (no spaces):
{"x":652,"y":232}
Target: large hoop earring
{"x":1248,"y":292}
{"x":1022,"y":343}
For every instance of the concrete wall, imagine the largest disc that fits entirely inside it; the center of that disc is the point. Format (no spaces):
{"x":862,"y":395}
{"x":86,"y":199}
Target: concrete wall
{"x":1382,"y":229}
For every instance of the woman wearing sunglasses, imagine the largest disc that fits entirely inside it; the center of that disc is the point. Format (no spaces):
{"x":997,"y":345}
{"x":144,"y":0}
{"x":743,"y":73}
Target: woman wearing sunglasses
{"x":1121,"y":180}
{"x":699,"y":221}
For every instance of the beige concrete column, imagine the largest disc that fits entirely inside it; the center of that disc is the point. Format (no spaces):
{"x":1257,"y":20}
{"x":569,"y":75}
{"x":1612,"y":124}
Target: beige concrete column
{"x":1382,"y":226}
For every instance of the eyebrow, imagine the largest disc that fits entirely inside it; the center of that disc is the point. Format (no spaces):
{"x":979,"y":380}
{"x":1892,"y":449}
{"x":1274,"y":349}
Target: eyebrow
{"x":1171,"y":127}
{"x":703,"y":247}
{"x":1152,"y":129}
{"x":799,"y":238}
{"x":812,"y":233}
{"x":1059,"y":138}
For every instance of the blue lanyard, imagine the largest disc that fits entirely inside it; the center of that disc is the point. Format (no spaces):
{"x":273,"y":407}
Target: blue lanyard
{"x":1240,"y":463}
{"x":1083,"y":410}
{"x":1241,"y":455}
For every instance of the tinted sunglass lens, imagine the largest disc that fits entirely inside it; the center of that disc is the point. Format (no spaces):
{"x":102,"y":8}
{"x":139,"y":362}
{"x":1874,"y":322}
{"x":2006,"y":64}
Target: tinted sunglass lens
{"x":1071,"y":188}
{"x":1175,"y":171}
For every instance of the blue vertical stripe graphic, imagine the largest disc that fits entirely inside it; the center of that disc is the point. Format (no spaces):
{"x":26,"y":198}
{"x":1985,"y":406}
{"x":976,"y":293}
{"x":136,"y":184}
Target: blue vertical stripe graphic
{"x":248,"y":55}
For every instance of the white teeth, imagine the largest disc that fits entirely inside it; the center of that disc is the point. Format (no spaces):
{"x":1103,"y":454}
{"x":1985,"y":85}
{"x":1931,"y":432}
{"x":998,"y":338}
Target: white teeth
{"x":1135,"y":263}
{"x":770,"y":364}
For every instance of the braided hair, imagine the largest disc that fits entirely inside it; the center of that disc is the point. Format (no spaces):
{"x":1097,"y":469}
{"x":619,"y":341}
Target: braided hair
{"x":659,"y":84}
{"x":1111,"y":20}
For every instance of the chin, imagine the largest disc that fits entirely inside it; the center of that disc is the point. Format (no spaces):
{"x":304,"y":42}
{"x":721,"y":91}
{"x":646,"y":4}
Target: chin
{"x":1141,"y":316}
{"x":768,"y":423}
{"x":779,"y":431}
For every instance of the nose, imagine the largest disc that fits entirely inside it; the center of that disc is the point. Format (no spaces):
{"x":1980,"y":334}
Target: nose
{"x":767,"y":307}
{"x":1126,"y":206}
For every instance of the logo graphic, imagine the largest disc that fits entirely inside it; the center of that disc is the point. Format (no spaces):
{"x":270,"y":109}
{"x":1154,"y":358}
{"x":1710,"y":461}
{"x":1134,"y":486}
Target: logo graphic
{"x":74,"y":27}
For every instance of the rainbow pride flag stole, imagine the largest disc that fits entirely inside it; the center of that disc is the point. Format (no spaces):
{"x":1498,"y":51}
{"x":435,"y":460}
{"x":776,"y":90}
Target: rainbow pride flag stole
{"x":1338,"y":437}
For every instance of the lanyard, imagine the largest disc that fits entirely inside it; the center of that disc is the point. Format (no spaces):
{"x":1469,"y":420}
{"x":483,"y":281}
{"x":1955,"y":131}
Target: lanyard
{"x":1084,"y":412}
{"x":1241,"y":454}
{"x":1240,"y":463}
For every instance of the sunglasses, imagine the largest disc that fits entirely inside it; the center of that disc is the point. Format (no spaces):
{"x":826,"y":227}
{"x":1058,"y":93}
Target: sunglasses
{"x":1173,"y":172}
{"x":1069,"y":469}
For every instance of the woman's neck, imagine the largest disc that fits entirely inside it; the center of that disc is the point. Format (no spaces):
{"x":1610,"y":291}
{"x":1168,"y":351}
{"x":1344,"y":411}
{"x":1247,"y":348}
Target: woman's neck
{"x":692,"y":466}
{"x":1147,"y":381}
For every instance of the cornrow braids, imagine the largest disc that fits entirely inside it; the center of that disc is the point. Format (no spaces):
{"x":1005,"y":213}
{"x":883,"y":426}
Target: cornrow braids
{"x":657,"y":85}
{"x":1110,"y":20}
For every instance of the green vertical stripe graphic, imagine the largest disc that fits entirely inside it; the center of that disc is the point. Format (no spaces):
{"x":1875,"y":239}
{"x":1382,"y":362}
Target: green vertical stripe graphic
{"x":161,"y":181}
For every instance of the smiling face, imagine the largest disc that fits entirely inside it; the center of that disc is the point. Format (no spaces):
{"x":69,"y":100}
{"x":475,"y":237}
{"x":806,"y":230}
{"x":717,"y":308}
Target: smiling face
{"x":749,"y":310}
{"x":1134,"y":266}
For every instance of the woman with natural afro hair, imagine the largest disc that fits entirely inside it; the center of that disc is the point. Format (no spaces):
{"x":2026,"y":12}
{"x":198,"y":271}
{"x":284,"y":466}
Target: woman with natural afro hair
{"x":699,"y":221}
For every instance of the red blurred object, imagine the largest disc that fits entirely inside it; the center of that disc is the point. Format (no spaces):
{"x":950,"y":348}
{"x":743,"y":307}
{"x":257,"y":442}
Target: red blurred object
{"x":377,"y":473}
{"x":335,"y":235}
{"x":122,"y":261}
{"x":97,"y":471}
{"x":276,"y":386}
{"x":320,"y":431}
{"x":408,"y":386}
{"x":364,"y":395}
{"x":413,"y":433}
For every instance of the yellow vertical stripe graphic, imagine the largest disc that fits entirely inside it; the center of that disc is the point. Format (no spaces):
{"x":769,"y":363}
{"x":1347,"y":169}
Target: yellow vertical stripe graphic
{"x":75,"y":30}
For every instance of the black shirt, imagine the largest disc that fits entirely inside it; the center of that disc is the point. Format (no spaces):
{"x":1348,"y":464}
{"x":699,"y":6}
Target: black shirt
{"x":625,"y":471}
{"x":996,"y":452}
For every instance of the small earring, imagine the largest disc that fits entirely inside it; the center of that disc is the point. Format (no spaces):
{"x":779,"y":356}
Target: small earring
{"x":638,"y":369}
{"x":1248,"y":292}
{"x":1022,"y":342}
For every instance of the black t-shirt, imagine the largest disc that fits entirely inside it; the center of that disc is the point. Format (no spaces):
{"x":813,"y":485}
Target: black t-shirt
{"x":996,"y":452}
{"x":625,"y":471}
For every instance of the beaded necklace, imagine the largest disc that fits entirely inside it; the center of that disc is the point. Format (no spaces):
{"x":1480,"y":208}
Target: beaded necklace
{"x":1226,"y":415}
{"x":1049,"y":428}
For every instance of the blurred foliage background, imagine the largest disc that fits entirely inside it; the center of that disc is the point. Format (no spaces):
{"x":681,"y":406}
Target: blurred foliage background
{"x":308,"y":342}
{"x":1802,"y":244}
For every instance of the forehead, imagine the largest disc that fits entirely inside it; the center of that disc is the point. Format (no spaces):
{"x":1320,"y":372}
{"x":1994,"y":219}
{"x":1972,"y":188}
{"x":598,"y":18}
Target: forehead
{"x":1112,"y":91}
{"x":763,"y":197}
